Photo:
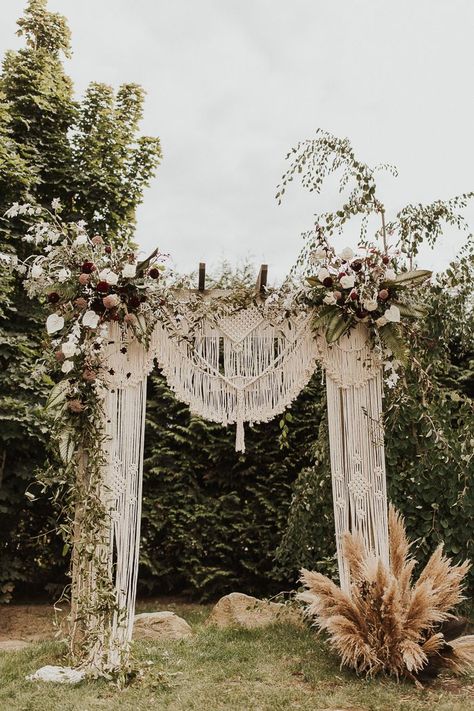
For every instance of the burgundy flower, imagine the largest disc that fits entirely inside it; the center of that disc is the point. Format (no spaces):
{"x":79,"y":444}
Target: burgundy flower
{"x":386,"y":260}
{"x":341,"y":274}
{"x":108,"y":249}
{"x":98,"y":306}
{"x":134,"y":301}
{"x":356,"y":266}
{"x":88,"y":268}
{"x":328,"y":281}
{"x":53,"y":297}
{"x":102,"y":286}
{"x":154,"y":273}
{"x":353,"y":295}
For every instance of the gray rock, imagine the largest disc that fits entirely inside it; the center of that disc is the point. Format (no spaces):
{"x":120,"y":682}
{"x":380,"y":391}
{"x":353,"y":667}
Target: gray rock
{"x":160,"y":625}
{"x":239,"y":610}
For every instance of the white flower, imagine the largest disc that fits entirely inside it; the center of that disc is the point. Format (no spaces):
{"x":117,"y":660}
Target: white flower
{"x":323,"y":274}
{"x":346,"y":254}
{"x":80,"y":241}
{"x":67,"y":366}
{"x":393,"y":314}
{"x":382,"y":321}
{"x":390,"y":275}
{"x":370,"y":304}
{"x":54,"y":323}
{"x":63,"y":275}
{"x":348,"y":281}
{"x":317,"y":254}
{"x":56,"y":204}
{"x":36,"y":271}
{"x":90,"y":319}
{"x":69,"y":349}
{"x":13,"y":210}
{"x":392,"y":379}
{"x":129,"y":271}
{"x":330,"y":299}
{"x":109,"y":276}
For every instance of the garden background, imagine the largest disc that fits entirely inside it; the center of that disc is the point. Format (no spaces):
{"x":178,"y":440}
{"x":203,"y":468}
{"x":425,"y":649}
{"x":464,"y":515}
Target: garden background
{"x":213,"y":521}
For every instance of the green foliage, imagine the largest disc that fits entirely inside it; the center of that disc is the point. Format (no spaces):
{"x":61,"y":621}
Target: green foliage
{"x":111,"y":164}
{"x":91,"y":157}
{"x":212,"y":520}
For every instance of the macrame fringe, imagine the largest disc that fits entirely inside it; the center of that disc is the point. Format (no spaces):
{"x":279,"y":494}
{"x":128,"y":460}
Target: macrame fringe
{"x":356,"y":440}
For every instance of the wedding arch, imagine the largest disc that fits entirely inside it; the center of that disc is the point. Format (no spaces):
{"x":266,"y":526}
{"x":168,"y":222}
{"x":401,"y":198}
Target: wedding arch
{"x":235,"y":357}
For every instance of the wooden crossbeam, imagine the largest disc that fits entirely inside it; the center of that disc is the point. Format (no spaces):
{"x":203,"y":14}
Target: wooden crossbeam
{"x":262,"y":279}
{"x":202,"y":276}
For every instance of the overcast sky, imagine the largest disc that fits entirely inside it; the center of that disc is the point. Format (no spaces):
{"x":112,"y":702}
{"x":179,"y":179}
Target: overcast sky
{"x":233,"y":84}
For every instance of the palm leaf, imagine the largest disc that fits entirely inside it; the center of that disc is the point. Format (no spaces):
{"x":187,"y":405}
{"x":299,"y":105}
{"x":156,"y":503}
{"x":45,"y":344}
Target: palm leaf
{"x":393,"y":339}
{"x":417,"y":276}
{"x":322,"y":315}
{"x":412,"y":310}
{"x":337,"y":326}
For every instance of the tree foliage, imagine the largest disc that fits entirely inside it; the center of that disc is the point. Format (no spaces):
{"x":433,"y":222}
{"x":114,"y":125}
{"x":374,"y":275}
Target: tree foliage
{"x":89,"y":154}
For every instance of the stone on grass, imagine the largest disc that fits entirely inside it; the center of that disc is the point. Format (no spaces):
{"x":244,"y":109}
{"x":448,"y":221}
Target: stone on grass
{"x":160,"y":625}
{"x":240,"y":610}
{"x":59,"y":675}
{"x":13,"y":645}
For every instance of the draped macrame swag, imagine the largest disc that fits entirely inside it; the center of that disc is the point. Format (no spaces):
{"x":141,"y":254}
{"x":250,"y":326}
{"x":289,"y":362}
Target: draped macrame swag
{"x":242,"y":367}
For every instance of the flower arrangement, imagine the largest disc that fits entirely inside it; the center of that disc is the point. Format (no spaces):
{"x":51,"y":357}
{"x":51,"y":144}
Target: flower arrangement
{"x":87,"y":283}
{"x":349,"y":288}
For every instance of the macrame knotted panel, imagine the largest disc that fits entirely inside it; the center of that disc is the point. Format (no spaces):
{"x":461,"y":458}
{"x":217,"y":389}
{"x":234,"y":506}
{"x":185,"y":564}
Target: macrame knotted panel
{"x":356,"y":439}
{"x":124,"y":406}
{"x":240,"y":368}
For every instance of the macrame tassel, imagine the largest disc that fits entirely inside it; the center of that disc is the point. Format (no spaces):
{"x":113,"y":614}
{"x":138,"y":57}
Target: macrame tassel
{"x":240,"y":432}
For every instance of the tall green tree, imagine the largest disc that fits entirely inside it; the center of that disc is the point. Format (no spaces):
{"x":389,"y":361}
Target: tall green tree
{"x":91,"y":156}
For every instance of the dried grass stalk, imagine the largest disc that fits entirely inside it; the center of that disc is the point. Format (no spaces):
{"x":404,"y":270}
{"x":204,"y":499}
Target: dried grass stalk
{"x":387,"y":623}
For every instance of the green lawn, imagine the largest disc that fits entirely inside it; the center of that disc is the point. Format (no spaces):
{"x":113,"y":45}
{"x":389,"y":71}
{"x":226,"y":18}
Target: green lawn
{"x":274,"y":669}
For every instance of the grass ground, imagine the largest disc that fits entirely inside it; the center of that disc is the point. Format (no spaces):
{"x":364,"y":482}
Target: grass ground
{"x":279,"y":668}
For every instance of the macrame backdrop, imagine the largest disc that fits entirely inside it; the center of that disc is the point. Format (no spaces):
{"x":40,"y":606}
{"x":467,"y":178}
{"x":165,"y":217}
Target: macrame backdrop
{"x":356,"y":442}
{"x":240,"y":368}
